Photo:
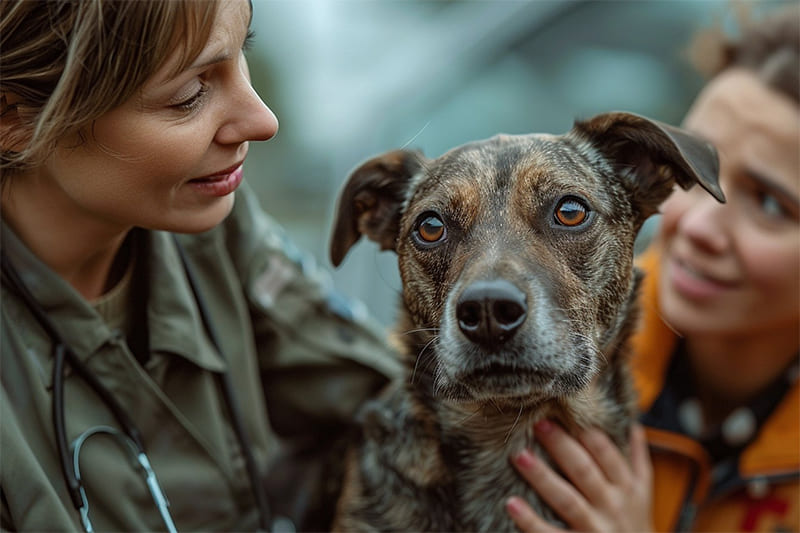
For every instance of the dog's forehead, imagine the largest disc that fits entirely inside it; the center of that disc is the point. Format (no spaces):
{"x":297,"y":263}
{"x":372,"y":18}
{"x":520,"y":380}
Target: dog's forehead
{"x":479,"y":169}
{"x":504,"y":155}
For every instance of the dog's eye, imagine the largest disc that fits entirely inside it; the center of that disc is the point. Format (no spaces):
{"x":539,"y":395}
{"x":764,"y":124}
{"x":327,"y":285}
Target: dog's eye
{"x":431,"y":229}
{"x":571,"y":212}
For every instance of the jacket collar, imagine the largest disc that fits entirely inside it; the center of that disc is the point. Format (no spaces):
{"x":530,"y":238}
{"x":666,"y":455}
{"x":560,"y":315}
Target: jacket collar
{"x":654,"y":342}
{"x":174,"y":321}
{"x":72,"y":316}
{"x":776,"y":449}
{"x":175,"y":325}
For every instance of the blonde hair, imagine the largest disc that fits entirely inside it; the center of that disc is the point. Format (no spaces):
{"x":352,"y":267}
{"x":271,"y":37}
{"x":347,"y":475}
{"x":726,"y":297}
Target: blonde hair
{"x":67,"y":63}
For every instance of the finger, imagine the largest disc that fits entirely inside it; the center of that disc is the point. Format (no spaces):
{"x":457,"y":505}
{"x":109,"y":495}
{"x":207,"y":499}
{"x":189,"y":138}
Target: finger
{"x":640,"y":455}
{"x":525,"y":518}
{"x":574,"y":460}
{"x":607,"y":456}
{"x":563,"y":498}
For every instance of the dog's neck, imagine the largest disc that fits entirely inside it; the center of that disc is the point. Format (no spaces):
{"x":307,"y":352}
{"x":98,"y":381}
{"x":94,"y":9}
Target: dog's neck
{"x":510,"y":426}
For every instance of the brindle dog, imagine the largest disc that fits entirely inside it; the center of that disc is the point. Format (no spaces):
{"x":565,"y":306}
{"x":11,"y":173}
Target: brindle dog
{"x":519,"y":294}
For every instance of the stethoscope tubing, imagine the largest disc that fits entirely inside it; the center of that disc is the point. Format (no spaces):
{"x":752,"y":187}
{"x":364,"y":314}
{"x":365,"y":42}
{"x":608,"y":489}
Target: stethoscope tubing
{"x":62,"y":353}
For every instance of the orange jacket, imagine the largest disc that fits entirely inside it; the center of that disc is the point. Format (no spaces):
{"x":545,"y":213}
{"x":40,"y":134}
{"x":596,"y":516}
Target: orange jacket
{"x":764,"y":492}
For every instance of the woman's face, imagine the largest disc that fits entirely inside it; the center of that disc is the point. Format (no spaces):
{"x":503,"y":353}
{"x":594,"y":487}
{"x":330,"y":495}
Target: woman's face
{"x":170,"y":157}
{"x":734,"y":268}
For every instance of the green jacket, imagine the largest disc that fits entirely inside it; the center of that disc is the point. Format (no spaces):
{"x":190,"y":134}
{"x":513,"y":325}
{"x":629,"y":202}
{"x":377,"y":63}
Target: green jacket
{"x":300,"y":357}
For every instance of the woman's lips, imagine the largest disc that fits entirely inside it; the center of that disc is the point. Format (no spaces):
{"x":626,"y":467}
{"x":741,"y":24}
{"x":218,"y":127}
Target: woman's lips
{"x":693,"y":283}
{"x":219,"y":185}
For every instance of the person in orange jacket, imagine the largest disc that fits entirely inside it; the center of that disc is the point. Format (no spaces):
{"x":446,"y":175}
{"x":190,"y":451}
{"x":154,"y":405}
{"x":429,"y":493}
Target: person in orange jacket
{"x":716,"y":357}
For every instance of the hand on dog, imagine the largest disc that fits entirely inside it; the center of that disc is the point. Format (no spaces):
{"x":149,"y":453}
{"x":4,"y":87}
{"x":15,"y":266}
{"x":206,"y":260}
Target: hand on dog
{"x":605,"y":491}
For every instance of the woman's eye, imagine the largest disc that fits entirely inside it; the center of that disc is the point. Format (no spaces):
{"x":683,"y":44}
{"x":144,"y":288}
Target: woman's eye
{"x":193,"y":101}
{"x":571,"y":212}
{"x":431,"y":229}
{"x":248,"y":40}
{"x":770,"y":205}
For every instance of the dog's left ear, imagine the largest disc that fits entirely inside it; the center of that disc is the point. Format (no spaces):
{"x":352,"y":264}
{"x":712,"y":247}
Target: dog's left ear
{"x":652,"y":156}
{"x":371,"y":201}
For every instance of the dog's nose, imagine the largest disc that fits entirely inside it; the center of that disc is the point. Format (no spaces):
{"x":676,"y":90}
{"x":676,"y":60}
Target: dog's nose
{"x":489,"y":312}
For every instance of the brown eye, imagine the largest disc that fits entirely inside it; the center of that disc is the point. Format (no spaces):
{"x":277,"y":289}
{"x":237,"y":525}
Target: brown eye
{"x":571,"y":212}
{"x":431,"y":229}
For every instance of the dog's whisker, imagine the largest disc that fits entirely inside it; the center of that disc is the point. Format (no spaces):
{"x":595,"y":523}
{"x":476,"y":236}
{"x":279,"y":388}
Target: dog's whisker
{"x":411,"y":140}
{"x":418,"y":330}
{"x":469,"y":416}
{"x":424,"y":370}
{"x":516,"y":420}
{"x":419,"y":356}
{"x":590,"y":345}
{"x":575,"y":308}
{"x":398,"y":291}
{"x":496,"y":406}
{"x":665,"y":321}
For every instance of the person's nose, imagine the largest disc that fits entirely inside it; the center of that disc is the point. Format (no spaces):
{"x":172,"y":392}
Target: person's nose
{"x":705,"y":223}
{"x":249,"y":118}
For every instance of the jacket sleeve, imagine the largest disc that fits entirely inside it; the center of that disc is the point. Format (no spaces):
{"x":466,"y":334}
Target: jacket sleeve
{"x":319,"y":353}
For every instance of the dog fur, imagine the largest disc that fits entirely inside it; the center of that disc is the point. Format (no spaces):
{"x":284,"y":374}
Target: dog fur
{"x":508,"y":313}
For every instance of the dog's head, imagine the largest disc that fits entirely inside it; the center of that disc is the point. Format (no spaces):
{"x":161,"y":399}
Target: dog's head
{"x":517,"y":251}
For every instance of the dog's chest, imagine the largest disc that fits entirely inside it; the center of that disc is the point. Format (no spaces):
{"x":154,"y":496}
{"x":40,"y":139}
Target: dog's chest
{"x":446,"y":469}
{"x":478,"y":452}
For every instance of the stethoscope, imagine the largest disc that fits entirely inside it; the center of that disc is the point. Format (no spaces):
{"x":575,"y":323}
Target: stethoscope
{"x":129,"y":438}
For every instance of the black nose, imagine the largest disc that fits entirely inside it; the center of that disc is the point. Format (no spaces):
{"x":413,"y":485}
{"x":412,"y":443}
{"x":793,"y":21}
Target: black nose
{"x":489,"y":312}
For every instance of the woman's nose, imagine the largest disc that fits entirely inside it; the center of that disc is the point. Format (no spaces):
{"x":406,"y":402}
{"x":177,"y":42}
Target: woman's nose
{"x":249,"y":118}
{"x":703,"y":222}
{"x":264,"y":122}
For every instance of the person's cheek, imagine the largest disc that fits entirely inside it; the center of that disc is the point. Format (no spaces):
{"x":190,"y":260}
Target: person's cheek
{"x":671,"y":210}
{"x":771,"y":265}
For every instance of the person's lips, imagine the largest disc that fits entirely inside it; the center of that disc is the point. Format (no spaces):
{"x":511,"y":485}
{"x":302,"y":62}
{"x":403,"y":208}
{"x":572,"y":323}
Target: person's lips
{"x":696,"y":282}
{"x":220,"y":183}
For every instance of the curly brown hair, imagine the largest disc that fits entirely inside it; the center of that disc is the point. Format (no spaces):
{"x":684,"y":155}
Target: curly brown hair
{"x":768,"y":46}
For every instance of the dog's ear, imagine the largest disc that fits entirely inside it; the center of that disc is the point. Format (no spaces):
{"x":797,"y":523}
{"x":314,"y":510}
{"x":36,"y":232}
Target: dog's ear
{"x":371,"y":201}
{"x":652,"y":156}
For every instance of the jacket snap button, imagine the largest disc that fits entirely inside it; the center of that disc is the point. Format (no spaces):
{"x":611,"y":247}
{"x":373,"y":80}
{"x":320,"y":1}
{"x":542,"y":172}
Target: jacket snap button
{"x":739,"y":426}
{"x":758,"y":488}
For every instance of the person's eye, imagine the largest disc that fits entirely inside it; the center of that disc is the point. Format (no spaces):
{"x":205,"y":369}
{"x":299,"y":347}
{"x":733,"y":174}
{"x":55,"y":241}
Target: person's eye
{"x":771,"y":206}
{"x":194,"y":101}
{"x":248,"y":40}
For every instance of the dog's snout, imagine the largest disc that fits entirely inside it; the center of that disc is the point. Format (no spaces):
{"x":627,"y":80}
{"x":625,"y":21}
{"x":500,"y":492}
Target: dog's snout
{"x":489,"y":312}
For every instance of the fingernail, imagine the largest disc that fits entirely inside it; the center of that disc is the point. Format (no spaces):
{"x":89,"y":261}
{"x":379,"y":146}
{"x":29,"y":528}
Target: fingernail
{"x":514,"y":506}
{"x":543,"y":426}
{"x":525,"y":459}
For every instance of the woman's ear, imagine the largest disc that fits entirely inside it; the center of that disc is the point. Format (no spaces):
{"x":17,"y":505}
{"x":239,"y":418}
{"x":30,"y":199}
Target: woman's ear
{"x":14,"y":134}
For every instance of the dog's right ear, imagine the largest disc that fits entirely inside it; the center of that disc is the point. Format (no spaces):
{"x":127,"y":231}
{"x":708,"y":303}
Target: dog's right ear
{"x":371,"y":201}
{"x":652,"y":156}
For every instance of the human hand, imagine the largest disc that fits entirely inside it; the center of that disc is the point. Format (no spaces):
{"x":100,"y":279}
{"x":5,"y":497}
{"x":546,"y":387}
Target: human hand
{"x":605,"y":491}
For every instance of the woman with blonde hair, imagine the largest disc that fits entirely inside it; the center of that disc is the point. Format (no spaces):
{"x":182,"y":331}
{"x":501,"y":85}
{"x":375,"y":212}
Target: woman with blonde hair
{"x":716,"y":358}
{"x":157,"y":337}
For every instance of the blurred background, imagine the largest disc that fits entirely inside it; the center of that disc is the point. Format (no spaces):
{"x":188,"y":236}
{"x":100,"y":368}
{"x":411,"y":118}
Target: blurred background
{"x":349,"y":79}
